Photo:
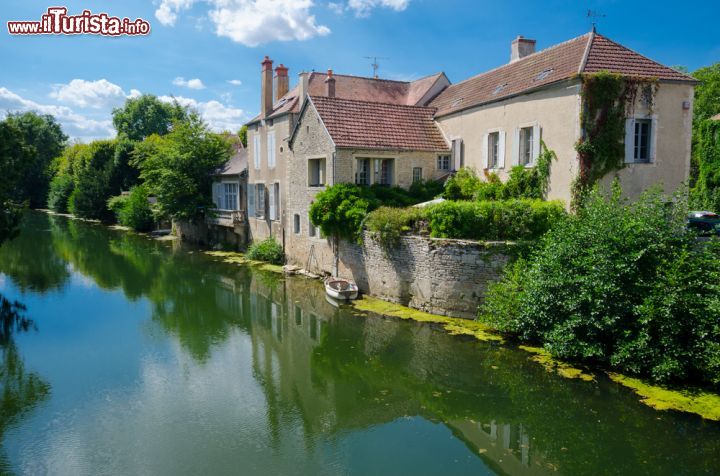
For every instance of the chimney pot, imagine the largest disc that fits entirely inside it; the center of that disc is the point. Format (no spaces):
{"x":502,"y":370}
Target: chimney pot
{"x":282,"y":81}
{"x":521,"y":47}
{"x":330,"y":83}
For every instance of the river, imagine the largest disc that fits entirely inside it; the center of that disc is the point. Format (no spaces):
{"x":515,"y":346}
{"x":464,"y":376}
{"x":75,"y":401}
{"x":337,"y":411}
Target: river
{"x":148,"y":357}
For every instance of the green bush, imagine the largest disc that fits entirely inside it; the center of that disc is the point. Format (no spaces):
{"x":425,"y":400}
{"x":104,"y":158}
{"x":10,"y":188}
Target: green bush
{"x":620,"y":285}
{"x":494,"y":220}
{"x":61,"y":187}
{"x":267,"y":250}
{"x":388,"y":223}
{"x":463,"y":185}
{"x":133,"y":210}
{"x":425,"y":190}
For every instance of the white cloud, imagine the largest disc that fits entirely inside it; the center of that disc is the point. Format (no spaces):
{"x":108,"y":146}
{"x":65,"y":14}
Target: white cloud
{"x":190,"y":83}
{"x":338,"y":8}
{"x":73,"y":124}
{"x":363,"y":8}
{"x":95,"y":94}
{"x":134,"y":93}
{"x":218,"y":116}
{"x":168,"y":10}
{"x":253,"y":22}
{"x":235,"y":82}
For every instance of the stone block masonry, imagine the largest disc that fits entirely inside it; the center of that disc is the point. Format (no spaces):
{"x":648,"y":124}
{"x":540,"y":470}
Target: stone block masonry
{"x":440,"y":276}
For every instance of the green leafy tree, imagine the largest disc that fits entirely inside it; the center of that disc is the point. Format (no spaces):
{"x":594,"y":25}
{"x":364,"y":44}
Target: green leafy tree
{"x":339,"y":210}
{"x":177,"y":167}
{"x":133,"y":210}
{"x":44,"y":135}
{"x":243,"y":135}
{"x":146,"y":115}
{"x":621,"y":285}
{"x":705,"y":173}
{"x":14,"y":153}
{"x":93,"y":174}
{"x":707,"y":93}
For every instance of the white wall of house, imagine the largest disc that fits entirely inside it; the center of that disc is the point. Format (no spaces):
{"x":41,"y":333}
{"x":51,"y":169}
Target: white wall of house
{"x":552,"y":112}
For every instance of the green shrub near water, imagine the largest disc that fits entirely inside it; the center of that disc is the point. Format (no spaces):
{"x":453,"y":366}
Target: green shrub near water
{"x":61,"y":186}
{"x":624,"y":286}
{"x":133,"y":210}
{"x":388,"y":223}
{"x":267,"y":250}
{"x":494,"y":220}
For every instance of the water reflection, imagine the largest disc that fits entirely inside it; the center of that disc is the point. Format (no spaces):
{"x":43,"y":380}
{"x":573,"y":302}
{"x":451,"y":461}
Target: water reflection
{"x":247,"y":372}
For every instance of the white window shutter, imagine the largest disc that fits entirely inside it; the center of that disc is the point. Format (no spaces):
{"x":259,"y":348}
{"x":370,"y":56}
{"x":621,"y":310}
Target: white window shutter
{"x":516,"y":147}
{"x":271,"y":149}
{"x":629,"y":141}
{"x":256,"y":150}
{"x":251,"y":199}
{"x":485,"y":155}
{"x":536,"y":144}
{"x":271,"y":195}
{"x":501,"y":150}
{"x":653,"y":139}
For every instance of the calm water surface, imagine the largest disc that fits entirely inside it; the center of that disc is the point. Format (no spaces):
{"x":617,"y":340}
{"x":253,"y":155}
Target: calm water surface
{"x":147,"y":358}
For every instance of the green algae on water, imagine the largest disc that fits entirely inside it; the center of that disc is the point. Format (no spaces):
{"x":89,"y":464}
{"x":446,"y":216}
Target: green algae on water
{"x":233,"y":257}
{"x":705,"y":404}
{"x":453,"y":325}
{"x":544,"y":358}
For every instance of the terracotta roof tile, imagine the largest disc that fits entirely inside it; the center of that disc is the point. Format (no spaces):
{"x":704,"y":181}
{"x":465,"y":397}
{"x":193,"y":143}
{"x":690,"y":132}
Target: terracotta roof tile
{"x":387,"y":91}
{"x":378,"y":126}
{"x":588,"y":53}
{"x":606,"y":55}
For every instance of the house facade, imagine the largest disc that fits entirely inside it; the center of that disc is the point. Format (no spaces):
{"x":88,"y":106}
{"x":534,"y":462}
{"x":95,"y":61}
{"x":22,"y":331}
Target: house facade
{"x":227,"y":223}
{"x":497,"y":119}
{"x":336,"y":128}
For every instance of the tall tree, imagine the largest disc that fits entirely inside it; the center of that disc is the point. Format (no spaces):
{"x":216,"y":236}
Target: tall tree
{"x":146,"y":115}
{"x":45,"y":136}
{"x":707,"y":93}
{"x":177,"y":167}
{"x":14,"y":155}
{"x":705,"y":170}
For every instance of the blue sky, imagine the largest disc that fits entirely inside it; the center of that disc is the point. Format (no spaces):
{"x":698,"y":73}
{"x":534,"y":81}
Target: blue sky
{"x":207,"y":53}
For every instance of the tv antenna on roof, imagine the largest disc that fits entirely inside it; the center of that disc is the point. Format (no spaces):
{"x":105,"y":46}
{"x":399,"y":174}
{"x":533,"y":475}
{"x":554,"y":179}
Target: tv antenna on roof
{"x":595,"y":15}
{"x":375,"y":66}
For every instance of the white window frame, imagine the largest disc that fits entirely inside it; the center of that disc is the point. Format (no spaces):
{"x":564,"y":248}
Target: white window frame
{"x":271,"y":146}
{"x":256,"y":150}
{"x":417,"y":178}
{"x":630,"y":139}
{"x":225,"y":195}
{"x":368,"y":171}
{"x":535,"y":147}
{"x":502,"y":137}
{"x":441,"y":160}
{"x":260,"y":204}
{"x":322,"y":172}
{"x":377,"y":171}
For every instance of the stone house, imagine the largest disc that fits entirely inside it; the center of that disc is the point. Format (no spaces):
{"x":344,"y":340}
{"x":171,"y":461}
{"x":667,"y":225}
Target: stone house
{"x":227,"y":223}
{"x":497,"y":119}
{"x":333,"y":128}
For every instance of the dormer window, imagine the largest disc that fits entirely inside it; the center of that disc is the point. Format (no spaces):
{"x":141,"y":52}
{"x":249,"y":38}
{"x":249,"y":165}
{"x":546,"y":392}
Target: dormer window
{"x":544,"y":74}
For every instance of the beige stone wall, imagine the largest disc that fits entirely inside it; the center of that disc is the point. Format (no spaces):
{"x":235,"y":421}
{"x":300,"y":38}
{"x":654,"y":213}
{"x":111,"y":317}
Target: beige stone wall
{"x":556,"y":110}
{"x":448,"y":277}
{"x":673,"y":135}
{"x":262,"y":228}
{"x":311,"y":142}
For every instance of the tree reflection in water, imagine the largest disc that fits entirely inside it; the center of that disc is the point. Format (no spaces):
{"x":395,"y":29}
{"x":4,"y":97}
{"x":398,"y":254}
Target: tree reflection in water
{"x":20,"y":391}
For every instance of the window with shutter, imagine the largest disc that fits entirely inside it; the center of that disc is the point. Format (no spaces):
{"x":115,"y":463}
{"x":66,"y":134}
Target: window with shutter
{"x":501,"y":150}
{"x":251,"y":199}
{"x":276,"y":186}
{"x":271,"y":195}
{"x":457,"y":154}
{"x":256,"y":150}
{"x":260,"y":200}
{"x":271,"y":149}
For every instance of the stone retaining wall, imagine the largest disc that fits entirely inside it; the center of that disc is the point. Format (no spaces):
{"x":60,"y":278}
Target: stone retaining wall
{"x":439,"y":276}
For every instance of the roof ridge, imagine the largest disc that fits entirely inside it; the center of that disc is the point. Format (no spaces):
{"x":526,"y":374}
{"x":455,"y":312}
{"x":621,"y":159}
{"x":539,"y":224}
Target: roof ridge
{"x":519,"y":60}
{"x":598,"y":35}
{"x":586,"y":54}
{"x":409,"y":106}
{"x":378,"y":79}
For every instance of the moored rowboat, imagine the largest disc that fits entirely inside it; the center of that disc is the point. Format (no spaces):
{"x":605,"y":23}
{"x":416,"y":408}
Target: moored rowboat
{"x":342,"y":289}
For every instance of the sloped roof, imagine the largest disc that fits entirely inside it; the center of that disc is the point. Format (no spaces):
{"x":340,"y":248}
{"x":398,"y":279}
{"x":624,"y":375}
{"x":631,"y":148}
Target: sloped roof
{"x":360,"y":88}
{"x":379,"y":126}
{"x":237,"y":163}
{"x":587,"y":53}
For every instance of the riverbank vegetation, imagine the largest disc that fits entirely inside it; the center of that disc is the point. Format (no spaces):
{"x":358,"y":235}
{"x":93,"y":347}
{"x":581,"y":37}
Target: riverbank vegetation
{"x":267,"y":250}
{"x":623,"y":286}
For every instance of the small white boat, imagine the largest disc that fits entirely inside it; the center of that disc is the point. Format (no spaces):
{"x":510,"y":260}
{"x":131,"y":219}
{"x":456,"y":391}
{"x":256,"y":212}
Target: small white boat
{"x":341,"y":289}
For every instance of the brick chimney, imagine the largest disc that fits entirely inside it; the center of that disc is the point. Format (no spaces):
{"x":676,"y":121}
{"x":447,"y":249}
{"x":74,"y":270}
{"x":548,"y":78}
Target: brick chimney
{"x":521,"y":47}
{"x":330,"y":83}
{"x":282,"y":81}
{"x":266,"y":98}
